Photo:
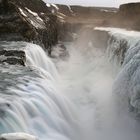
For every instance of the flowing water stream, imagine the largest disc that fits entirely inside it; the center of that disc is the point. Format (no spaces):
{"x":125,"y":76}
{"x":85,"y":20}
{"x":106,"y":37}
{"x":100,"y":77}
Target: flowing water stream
{"x":65,"y":99}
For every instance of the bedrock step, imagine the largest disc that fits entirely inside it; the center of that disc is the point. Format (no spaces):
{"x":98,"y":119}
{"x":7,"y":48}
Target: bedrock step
{"x":13,"y":57}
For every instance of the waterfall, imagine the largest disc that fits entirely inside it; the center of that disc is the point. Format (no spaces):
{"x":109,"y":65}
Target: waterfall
{"x":73,"y":98}
{"x":124,"y":51}
{"x":37,"y":57}
{"x":37,"y":107}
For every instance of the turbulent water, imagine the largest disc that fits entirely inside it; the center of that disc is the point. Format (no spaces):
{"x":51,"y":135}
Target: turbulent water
{"x":70,"y":99}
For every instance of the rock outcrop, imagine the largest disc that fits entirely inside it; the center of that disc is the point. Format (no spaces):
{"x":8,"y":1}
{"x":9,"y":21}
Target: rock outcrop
{"x":31,"y":21}
{"x":14,"y":57}
{"x":128,"y":16}
{"x":130,"y":10}
{"x":77,"y":17}
{"x":87,"y":12}
{"x":12,"y":54}
{"x":45,"y":24}
{"x":26,"y":20}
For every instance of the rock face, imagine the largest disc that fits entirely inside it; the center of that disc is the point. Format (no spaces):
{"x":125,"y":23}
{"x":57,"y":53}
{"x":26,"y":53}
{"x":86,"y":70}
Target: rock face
{"x":24,"y":20}
{"x":131,"y":12}
{"x":65,"y":10}
{"x":13,"y":54}
{"x":89,"y":12}
{"x":77,"y":17}
{"x":128,"y":16}
{"x":14,"y":57}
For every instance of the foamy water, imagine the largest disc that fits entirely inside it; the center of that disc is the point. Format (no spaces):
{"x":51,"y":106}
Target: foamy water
{"x":83,"y":99}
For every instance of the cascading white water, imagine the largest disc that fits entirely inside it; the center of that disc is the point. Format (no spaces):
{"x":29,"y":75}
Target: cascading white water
{"x":37,"y":57}
{"x":124,"y":47}
{"x":75,"y":102}
{"x":38,"y":107}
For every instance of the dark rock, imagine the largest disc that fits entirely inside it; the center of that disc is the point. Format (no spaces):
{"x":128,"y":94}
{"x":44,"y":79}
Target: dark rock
{"x":11,"y":37}
{"x":13,"y":57}
{"x":16,"y":53}
{"x":64,"y":9}
{"x":24,"y":20}
{"x":14,"y":61}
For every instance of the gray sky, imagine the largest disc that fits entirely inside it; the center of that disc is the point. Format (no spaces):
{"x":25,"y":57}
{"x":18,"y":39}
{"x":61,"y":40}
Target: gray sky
{"x":114,"y":3}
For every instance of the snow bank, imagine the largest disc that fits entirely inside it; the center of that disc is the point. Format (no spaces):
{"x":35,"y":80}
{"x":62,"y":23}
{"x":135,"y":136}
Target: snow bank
{"x":17,"y":136}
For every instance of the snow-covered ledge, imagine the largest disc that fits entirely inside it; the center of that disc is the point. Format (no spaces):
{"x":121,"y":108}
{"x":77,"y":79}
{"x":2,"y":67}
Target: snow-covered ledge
{"x":17,"y":136}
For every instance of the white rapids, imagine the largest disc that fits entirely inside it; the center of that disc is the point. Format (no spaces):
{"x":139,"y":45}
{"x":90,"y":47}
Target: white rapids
{"x":71,"y":100}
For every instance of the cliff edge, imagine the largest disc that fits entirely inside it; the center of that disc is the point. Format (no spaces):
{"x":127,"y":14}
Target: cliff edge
{"x":28,"y":20}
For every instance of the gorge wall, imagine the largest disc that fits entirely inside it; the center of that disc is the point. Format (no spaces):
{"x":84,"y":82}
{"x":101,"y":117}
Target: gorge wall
{"x":28,"y":21}
{"x":77,"y":17}
{"x":128,"y":16}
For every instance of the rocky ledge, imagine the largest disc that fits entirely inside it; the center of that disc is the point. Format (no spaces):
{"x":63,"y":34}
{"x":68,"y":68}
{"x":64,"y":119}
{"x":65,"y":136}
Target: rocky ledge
{"x":130,"y":15}
{"x":12,"y":53}
{"x":29,"y":21}
{"x":13,"y":57}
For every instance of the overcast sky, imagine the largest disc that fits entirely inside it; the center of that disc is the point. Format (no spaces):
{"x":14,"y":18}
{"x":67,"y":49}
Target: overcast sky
{"x":110,"y":3}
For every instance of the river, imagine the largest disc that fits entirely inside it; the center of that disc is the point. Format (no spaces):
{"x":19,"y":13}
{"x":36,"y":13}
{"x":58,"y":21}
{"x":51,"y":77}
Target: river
{"x":75,"y":98}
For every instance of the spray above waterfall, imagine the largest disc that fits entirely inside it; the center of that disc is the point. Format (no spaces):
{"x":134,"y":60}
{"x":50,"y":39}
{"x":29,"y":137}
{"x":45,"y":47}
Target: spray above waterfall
{"x":73,"y":99}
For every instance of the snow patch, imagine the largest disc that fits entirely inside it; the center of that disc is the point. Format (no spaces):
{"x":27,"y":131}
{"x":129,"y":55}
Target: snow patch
{"x":70,"y":8}
{"x":36,"y":24}
{"x":34,"y":14}
{"x":31,"y":12}
{"x":22,"y":12}
{"x":60,"y":17}
{"x":55,"y":6}
{"x":109,"y":10}
{"x":104,"y":10}
{"x":61,"y":14}
{"x":17,"y":136}
{"x":48,"y":4}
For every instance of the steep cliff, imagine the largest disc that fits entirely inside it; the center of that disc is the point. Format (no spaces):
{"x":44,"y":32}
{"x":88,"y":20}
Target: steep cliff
{"x":128,"y":16}
{"x":78,"y":17}
{"x":24,"y":20}
{"x":130,"y":10}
